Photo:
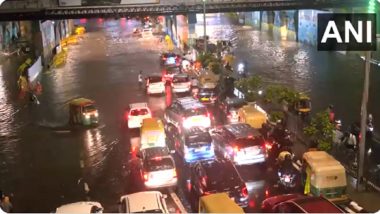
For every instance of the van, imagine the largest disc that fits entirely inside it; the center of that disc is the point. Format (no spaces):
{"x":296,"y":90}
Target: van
{"x":218,"y":203}
{"x":152,"y":133}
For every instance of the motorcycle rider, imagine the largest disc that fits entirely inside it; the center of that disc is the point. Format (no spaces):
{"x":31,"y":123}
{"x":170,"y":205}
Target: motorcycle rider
{"x":286,"y":167}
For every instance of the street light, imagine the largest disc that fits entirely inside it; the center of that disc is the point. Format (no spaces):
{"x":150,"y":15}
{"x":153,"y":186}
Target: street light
{"x":204,"y":25}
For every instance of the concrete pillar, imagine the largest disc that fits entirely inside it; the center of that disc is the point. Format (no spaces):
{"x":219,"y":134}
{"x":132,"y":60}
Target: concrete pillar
{"x":260,"y":20}
{"x":296,"y":23}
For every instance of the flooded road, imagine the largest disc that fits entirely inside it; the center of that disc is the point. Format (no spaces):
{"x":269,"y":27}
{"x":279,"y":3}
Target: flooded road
{"x":44,"y":165}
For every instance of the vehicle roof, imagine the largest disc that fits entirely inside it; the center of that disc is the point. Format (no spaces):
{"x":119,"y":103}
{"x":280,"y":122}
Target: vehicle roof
{"x":234,"y":100}
{"x":189,"y":103}
{"x":138,"y":105}
{"x":78,"y":207}
{"x":156,"y":152}
{"x":180,"y":75}
{"x":195,"y":130}
{"x":242,"y":130}
{"x":81,"y":102}
{"x":140,"y":201}
{"x":214,"y":163}
{"x":312,"y":204}
{"x":274,"y":200}
{"x":152,"y":124}
{"x":220,"y":203}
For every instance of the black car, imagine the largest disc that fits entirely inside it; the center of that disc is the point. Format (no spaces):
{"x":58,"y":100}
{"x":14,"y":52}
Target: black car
{"x":207,"y":95}
{"x":229,"y":109}
{"x":216,"y":176}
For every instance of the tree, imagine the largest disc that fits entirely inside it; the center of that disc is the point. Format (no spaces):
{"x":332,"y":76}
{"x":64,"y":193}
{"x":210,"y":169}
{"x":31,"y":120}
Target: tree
{"x":321,"y":131}
{"x":280,"y":94}
{"x":275,"y":116}
{"x":215,"y":67}
{"x":206,"y":58}
{"x":250,"y":86}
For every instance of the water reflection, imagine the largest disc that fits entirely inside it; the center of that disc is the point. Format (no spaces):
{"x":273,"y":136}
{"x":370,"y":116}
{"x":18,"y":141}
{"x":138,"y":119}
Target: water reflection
{"x":96,"y":150}
{"x":8,"y":136}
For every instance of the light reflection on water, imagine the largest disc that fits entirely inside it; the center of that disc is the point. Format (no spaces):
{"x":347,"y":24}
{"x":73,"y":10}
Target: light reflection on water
{"x":8,"y":135}
{"x":97,"y":149}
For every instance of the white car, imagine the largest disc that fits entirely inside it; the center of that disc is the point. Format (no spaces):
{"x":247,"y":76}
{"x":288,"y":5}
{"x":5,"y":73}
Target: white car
{"x":81,"y":207}
{"x":143,"y":202}
{"x":137,"y":113}
{"x":158,"y":168}
{"x":181,"y":83}
{"x":155,"y":85}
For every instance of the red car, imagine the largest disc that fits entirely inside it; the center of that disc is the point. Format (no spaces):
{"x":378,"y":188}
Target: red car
{"x":296,"y":203}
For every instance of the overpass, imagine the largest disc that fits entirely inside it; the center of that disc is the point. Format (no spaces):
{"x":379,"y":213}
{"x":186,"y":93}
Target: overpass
{"x":49,"y":9}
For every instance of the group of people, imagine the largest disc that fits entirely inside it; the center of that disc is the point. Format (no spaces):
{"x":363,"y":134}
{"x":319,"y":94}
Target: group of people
{"x":5,"y":204}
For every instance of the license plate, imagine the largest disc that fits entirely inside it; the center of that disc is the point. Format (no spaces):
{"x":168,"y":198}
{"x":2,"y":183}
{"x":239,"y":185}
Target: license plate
{"x":287,"y":179}
{"x":152,"y":139}
{"x":199,"y":150}
{"x":196,"y":120}
{"x":205,"y":99}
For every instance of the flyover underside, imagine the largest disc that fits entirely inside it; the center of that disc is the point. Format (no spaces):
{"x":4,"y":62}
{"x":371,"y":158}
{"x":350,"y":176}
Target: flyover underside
{"x":120,"y":11}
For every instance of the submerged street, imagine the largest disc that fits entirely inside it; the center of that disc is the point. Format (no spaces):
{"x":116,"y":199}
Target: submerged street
{"x":44,"y":164}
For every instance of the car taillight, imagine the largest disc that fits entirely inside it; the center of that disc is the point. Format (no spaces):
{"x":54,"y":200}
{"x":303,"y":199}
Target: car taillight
{"x":174,"y":173}
{"x":145,"y":176}
{"x":236,"y":149}
{"x":244,"y":192}
{"x":126,"y":115}
{"x":268,"y":145}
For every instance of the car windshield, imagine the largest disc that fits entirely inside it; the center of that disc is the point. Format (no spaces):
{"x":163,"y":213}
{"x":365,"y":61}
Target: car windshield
{"x":198,"y":139}
{"x":155,"y":79}
{"x":248,"y":142}
{"x":151,"y":211}
{"x":195,"y":112}
{"x":158,"y":164}
{"x":222,"y":176}
{"x":304,"y":104}
{"x":172,"y":71}
{"x":207,"y":91}
{"x":89,"y":108}
{"x":238,"y":103}
{"x":138,"y":112}
{"x":180,"y":79}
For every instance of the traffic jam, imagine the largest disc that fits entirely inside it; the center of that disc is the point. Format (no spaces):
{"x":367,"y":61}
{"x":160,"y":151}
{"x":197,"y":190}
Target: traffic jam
{"x":207,"y":147}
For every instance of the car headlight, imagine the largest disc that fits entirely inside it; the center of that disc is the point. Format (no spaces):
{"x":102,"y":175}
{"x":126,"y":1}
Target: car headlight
{"x":87,"y":116}
{"x":96,"y":114}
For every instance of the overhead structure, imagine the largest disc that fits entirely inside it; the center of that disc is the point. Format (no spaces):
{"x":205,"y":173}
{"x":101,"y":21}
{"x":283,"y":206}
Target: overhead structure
{"x":165,"y":9}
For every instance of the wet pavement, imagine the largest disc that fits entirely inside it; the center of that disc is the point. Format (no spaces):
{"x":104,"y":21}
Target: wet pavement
{"x":45,"y":165}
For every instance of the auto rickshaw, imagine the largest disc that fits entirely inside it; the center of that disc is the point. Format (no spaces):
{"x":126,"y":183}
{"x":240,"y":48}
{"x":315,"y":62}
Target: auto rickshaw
{"x":152,"y":133}
{"x":71,"y":40}
{"x":253,"y":115}
{"x":83,"y":112}
{"x":323,"y":175}
{"x":303,"y":105}
{"x":218,"y":203}
{"x":80,"y":30}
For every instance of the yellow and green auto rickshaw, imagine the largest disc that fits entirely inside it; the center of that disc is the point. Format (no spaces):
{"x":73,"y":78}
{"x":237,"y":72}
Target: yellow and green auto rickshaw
{"x":218,"y":203}
{"x":83,"y":112}
{"x":323,"y":175}
{"x":303,"y":105}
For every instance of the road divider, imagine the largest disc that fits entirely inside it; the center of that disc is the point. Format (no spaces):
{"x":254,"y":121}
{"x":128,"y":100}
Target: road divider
{"x":177,"y":201}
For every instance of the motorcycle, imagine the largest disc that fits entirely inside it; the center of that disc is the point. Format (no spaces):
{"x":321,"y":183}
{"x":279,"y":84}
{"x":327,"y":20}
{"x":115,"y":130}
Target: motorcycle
{"x":287,"y":180}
